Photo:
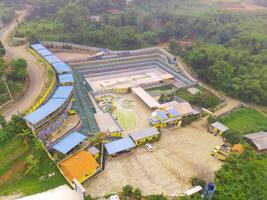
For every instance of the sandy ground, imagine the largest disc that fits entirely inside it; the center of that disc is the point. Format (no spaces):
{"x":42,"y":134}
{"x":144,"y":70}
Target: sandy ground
{"x":180,"y":154}
{"x":73,"y":56}
{"x":63,"y":192}
{"x":35,"y":71}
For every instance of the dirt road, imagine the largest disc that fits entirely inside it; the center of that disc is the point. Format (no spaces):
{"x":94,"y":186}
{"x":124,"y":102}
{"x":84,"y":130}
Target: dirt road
{"x":36,"y":71}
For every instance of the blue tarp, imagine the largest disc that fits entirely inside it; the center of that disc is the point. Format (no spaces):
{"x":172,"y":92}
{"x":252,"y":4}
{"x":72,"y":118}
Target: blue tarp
{"x":162,"y":115}
{"x":65,"y":78}
{"x":44,"y":52}
{"x":173,"y":112}
{"x":37,"y":46}
{"x":52,"y":59}
{"x":44,"y":111}
{"x":63,"y":92}
{"x":69,"y":142}
{"x":61,"y":67}
{"x":119,"y":145}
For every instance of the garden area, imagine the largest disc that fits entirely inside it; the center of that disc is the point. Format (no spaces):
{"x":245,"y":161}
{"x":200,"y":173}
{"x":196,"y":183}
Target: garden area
{"x":201,"y":99}
{"x":245,"y":120}
{"x":24,"y":165}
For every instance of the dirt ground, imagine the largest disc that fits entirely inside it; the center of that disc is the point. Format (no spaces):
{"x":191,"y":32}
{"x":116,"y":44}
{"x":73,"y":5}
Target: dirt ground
{"x":180,"y":154}
{"x":73,"y":56}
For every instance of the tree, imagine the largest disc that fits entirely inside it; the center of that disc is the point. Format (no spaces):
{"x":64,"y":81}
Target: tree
{"x":3,"y":122}
{"x":127,"y":190}
{"x":175,"y":47}
{"x":26,"y":134}
{"x":137,"y":193}
{"x":32,"y":165}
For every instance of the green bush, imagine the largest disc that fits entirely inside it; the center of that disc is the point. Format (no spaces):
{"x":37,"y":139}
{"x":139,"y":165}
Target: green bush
{"x":195,"y":181}
{"x":127,"y":190}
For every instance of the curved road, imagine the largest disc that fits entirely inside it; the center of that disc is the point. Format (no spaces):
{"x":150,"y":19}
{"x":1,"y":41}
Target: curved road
{"x":36,"y":71}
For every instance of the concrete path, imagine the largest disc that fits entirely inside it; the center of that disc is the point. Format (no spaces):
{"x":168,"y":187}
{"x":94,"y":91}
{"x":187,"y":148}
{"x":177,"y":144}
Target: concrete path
{"x":36,"y":72}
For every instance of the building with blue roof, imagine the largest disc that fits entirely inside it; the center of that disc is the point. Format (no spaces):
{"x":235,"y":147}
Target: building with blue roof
{"x":119,"y":146}
{"x":63,"y":92}
{"x":52,"y":59}
{"x":172,"y":112}
{"x":65,"y":79}
{"x":61,"y":68}
{"x":44,"y":52}
{"x":44,"y":111}
{"x":37,"y":47}
{"x":161,"y":115}
{"x":69,"y":142}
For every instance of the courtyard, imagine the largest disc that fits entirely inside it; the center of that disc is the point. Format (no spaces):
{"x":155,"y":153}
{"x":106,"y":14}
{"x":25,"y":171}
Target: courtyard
{"x":179,"y":155}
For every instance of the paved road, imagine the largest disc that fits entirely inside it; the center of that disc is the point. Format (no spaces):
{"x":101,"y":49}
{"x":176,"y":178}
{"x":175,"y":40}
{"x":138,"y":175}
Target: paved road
{"x":36,"y":72}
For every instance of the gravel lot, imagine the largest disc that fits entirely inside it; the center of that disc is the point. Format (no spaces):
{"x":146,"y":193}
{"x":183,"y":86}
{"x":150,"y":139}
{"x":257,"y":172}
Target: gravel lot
{"x":180,"y":154}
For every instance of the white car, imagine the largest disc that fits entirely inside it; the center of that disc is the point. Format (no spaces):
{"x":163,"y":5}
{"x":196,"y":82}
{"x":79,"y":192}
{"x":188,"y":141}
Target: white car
{"x":148,"y":147}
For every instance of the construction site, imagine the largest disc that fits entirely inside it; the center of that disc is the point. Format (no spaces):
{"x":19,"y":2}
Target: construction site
{"x":99,"y":117}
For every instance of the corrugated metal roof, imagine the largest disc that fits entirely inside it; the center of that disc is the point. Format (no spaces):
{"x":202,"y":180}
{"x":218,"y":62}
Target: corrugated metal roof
{"x":138,"y":135}
{"x":93,"y":150}
{"x":65,"y":78}
{"x":221,"y":127}
{"x":52,"y":59}
{"x":259,"y":139}
{"x":37,"y":46}
{"x":44,"y":52}
{"x":44,"y":111}
{"x":69,"y":142}
{"x":119,"y":145}
{"x":63,"y":92}
{"x":61,"y":67}
{"x":146,"y":98}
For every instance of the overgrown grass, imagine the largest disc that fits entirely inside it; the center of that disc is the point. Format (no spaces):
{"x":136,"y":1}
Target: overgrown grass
{"x":14,"y":152}
{"x":202,"y":99}
{"x":245,"y":120}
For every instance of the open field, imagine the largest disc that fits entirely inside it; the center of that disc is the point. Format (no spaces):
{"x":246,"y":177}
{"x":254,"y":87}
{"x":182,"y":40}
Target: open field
{"x":13,"y":166}
{"x":245,"y":120}
{"x":180,"y":154}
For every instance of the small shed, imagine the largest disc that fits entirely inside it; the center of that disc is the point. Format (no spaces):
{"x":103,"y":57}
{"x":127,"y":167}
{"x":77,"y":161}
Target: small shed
{"x":218,"y":128}
{"x":94,"y":151}
{"x":259,"y":139}
{"x":119,"y":146}
{"x":145,"y":135}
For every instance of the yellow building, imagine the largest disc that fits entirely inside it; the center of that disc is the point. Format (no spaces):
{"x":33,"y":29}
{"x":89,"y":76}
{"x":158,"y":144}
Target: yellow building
{"x":218,"y":128}
{"x":145,"y":135}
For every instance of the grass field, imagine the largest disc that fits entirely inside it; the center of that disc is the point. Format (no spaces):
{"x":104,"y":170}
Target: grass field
{"x":13,"y":166}
{"x":245,"y":120}
{"x":126,"y":119}
{"x":157,"y":91}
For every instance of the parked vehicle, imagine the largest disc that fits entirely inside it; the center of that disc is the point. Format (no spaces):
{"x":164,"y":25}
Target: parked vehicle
{"x":148,"y":147}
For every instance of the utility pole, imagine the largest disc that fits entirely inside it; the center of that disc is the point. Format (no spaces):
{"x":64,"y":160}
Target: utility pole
{"x":4,"y":79}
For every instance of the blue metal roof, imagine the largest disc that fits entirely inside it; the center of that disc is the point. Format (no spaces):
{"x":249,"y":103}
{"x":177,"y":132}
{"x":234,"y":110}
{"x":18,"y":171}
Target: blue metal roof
{"x":69,"y":142}
{"x":61,"y":67}
{"x":44,"y":52}
{"x":63,"y":92}
{"x":119,"y":145}
{"x":37,"y":46}
{"x":65,"y":78}
{"x":44,"y":111}
{"x":162,"y":115}
{"x":173,"y":112}
{"x":52,"y":59}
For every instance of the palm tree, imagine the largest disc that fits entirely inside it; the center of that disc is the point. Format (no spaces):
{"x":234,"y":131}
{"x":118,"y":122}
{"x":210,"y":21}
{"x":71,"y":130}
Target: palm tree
{"x":27,"y":135}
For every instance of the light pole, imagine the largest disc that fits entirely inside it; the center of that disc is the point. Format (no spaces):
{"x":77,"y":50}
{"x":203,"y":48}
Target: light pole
{"x":4,"y":79}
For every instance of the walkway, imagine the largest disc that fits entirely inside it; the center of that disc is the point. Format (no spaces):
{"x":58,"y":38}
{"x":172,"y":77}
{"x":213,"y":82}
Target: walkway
{"x":35,"y":71}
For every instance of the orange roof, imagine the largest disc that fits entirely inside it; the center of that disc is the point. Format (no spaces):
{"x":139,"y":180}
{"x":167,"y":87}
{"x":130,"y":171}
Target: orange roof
{"x":238,"y":147}
{"x":78,"y":166}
